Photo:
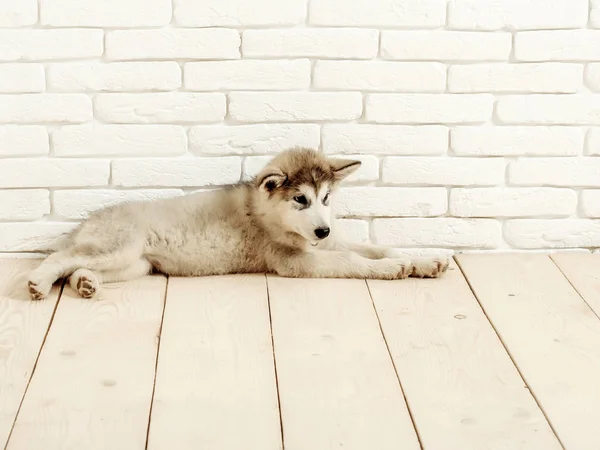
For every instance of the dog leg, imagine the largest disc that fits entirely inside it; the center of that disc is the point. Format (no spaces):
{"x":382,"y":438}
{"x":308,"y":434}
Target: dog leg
{"x":136,"y":270}
{"x":85,"y":282}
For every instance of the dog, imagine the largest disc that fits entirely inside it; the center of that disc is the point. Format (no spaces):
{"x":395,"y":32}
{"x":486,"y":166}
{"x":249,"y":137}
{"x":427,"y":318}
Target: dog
{"x":279,"y":222}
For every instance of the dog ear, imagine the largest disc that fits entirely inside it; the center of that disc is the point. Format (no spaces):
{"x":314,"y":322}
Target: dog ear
{"x":343,"y":167}
{"x":269,"y":181}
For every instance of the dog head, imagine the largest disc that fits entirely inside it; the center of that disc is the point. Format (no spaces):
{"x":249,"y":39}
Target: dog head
{"x":296,"y":188}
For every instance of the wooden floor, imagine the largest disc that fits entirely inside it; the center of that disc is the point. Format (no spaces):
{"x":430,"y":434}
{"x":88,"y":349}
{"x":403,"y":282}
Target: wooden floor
{"x":501,"y":353}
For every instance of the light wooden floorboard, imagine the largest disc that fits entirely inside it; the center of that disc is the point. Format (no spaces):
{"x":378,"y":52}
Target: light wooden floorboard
{"x":337,"y":384}
{"x":461,"y":386}
{"x":23,"y":326}
{"x":583,"y":271}
{"x":215,"y":385}
{"x":552,"y":335}
{"x":93,"y":384}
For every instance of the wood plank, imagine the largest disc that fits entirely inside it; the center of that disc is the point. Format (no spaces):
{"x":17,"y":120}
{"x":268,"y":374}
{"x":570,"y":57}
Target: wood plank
{"x":462,"y":388}
{"x":215,"y":385}
{"x":337,"y":383}
{"x":552,"y":335}
{"x":93,"y":384}
{"x":23,"y":326}
{"x":583,"y":271}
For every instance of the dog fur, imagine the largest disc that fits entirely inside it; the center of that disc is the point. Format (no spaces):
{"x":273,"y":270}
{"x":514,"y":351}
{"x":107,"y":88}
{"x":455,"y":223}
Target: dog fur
{"x":265,"y":225}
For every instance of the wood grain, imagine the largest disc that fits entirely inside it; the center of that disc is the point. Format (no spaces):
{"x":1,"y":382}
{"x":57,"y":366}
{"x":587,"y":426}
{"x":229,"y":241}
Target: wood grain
{"x":583,"y":271}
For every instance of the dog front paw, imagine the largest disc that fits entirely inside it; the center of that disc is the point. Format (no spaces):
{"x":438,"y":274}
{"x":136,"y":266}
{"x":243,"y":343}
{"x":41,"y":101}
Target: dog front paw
{"x":430,"y":268}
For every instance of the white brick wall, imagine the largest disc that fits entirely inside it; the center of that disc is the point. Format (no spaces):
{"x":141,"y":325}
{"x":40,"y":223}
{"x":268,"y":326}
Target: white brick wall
{"x":477,"y":121}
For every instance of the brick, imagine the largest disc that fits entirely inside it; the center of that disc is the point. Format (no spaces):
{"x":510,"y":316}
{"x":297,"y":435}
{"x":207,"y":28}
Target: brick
{"x":53,"y":172}
{"x":252,"y":166}
{"x":119,"y":140}
{"x":391,"y":202}
{"x":512,"y":202}
{"x":239,"y":13}
{"x":78,"y":204}
{"x":293,"y":107}
{"x":27,"y":204}
{"x":557,"y":233}
{"x":547,"y":77}
{"x":561,"y":45}
{"x":247,"y":74}
{"x":383,"y":13}
{"x":117,"y":77}
{"x":352,"y":229}
{"x":385,"y":139}
{"x":334,"y":43}
{"x":429,"y":108}
{"x":517,"y":141}
{"x":517,"y":14}
{"x":18,"y":13}
{"x":28,"y":108}
{"x":576,"y":109}
{"x":593,"y":142}
{"x":251,"y":139}
{"x":196,"y":172}
{"x":380,"y":76}
{"x":445,"y":45}
{"x":567,"y":172}
{"x":592,"y":76}
{"x":173,"y":43}
{"x":595,"y":13}
{"x":167,"y":107}
{"x":439,"y":232}
{"x":105,"y":13}
{"x":23,"y":140}
{"x":15,"y":78}
{"x":33,"y":236}
{"x":32,"y":45}
{"x":590,"y":203}
{"x":443,"y":171}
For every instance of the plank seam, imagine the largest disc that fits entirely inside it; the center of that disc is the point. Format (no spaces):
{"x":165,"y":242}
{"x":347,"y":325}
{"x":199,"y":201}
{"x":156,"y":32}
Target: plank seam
{"x":410,"y":414}
{"x":62,"y":288}
{"x":537,"y":402}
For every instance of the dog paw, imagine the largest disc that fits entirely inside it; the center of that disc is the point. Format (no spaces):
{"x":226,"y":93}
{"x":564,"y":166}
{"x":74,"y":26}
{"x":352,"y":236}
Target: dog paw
{"x":87,"y":287}
{"x":430,"y":268}
{"x":38,"y":290}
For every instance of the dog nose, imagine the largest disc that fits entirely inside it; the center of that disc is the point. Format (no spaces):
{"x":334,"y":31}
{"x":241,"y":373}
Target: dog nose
{"x":322,"y":233}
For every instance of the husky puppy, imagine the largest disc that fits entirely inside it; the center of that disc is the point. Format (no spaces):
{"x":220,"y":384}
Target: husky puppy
{"x":280,"y":222}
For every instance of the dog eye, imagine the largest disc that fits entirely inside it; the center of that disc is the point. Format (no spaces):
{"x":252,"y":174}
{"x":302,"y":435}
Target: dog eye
{"x":326,"y":198}
{"x":301,"y":199}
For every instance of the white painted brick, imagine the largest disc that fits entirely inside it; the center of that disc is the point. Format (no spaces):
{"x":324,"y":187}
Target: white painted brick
{"x":252,"y":166}
{"x":592,"y":76}
{"x":593,"y":142}
{"x":53,"y":172}
{"x":353,"y":229}
{"x":382,"y":13}
{"x":18,"y":13}
{"x":251,"y":139}
{"x":568,"y":172}
{"x":595,"y":13}
{"x":247,"y":74}
{"x":16,"y":78}
{"x":380,"y":76}
{"x":311,"y":43}
{"x":577,"y":109}
{"x":32,"y":45}
{"x":445,"y":45}
{"x":166,"y":107}
{"x":176,"y":172}
{"x":172,"y":43}
{"x":26,"y":204}
{"x":527,"y":78}
{"x":517,"y":141}
{"x":125,"y":76}
{"x":239,"y":13}
{"x":429,"y":108}
{"x":293,"y":107}
{"x":590,"y":203}
{"x":517,"y":14}
{"x":512,"y":202}
{"x":385,"y":139}
{"x":562,"y":45}
{"x":33,"y":236}
{"x":439,"y":232}
{"x":105,"y":13}
{"x":444,"y":171}
{"x":558,"y":233}
{"x":119,"y":140}
{"x":391,"y":202}
{"x":29,"y":108}
{"x":78,"y":204}
{"x":23,"y":140}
